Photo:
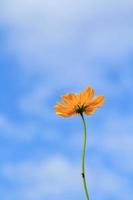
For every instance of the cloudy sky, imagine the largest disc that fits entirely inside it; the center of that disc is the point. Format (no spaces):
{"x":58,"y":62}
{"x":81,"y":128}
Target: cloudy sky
{"x":49,"y":48}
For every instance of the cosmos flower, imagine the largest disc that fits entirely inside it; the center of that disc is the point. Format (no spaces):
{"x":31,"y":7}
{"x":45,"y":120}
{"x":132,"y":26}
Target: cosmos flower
{"x":75,"y":104}
{"x":80,"y":104}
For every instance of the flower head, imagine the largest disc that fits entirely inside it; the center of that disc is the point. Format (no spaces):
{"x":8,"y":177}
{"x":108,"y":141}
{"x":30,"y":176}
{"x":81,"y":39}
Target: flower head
{"x":75,"y":104}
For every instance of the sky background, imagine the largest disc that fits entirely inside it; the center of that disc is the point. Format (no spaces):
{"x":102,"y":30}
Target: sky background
{"x":47,"y":49}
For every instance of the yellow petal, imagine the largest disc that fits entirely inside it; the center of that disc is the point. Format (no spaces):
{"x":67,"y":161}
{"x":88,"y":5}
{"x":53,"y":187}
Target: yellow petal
{"x":65,"y":114}
{"x":69,"y":99}
{"x":63,"y":110}
{"x":62,"y":114}
{"x":90,"y":111}
{"x":86,"y":95}
{"x":97,"y":102}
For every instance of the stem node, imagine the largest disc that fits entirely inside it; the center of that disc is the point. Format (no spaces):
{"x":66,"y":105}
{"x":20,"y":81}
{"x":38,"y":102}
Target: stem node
{"x":83,"y":175}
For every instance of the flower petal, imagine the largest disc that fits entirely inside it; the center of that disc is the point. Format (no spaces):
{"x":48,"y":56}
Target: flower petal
{"x":62,"y":114}
{"x":90,"y":111}
{"x":86,"y":95}
{"x":64,"y":110}
{"x":69,"y":99}
{"x":97,"y":102}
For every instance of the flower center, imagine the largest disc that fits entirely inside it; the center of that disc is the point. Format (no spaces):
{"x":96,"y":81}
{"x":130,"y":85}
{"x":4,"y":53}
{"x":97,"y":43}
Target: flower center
{"x":80,"y":109}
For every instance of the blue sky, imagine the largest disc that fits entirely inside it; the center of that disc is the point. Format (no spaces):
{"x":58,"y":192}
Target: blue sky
{"x":49,"y":48}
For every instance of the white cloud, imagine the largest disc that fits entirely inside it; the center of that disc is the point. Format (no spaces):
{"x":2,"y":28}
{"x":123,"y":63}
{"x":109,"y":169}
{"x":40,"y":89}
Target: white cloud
{"x":44,"y":32}
{"x":111,"y":43}
{"x":57,"y":177}
{"x":53,"y":177}
{"x":108,"y":183}
{"x":28,"y":130}
{"x":67,"y":42}
{"x":12,"y":130}
{"x":61,"y":9}
{"x":36,"y":101}
{"x":112,"y":140}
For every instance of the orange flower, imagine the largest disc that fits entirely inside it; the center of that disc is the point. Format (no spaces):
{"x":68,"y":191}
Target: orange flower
{"x":75,"y":104}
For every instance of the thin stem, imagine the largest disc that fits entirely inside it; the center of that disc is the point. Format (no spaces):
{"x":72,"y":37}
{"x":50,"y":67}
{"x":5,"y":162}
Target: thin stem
{"x":83,"y":158}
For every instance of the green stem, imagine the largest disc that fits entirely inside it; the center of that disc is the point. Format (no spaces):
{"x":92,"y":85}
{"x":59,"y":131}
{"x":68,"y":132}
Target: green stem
{"x":83,"y":158}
